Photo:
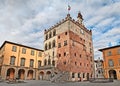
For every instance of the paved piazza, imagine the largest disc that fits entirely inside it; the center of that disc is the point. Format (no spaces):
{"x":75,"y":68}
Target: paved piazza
{"x":47,"y":83}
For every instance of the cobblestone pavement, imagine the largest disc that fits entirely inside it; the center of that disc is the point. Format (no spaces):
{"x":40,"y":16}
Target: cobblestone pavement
{"x":47,"y":83}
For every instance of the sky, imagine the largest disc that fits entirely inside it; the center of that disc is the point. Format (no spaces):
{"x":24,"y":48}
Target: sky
{"x":24,"y":21}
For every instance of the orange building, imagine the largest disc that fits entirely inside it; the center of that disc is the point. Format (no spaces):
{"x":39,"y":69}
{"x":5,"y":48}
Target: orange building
{"x":19,"y":61}
{"x":111,"y":56}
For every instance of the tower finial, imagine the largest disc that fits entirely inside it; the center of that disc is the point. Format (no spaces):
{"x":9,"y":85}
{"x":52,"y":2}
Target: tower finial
{"x":80,"y":18}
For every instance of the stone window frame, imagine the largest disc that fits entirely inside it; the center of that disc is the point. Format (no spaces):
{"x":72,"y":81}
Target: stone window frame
{"x":32,"y":52}
{"x":14,"y":48}
{"x":73,"y":75}
{"x":109,"y":53}
{"x":12,"y":60}
{"x":65,"y":43}
{"x":59,"y":45}
{"x":23,"y":50}
{"x":50,"y":45}
{"x":111,"y":63}
{"x":22,"y":63}
{"x":31,"y":62}
{"x":50,"y":35}
{"x":45,"y":62}
{"x":78,"y":75}
{"x":46,"y":47}
{"x":39,"y":63}
{"x":54,"y":32}
{"x":53,"y":43}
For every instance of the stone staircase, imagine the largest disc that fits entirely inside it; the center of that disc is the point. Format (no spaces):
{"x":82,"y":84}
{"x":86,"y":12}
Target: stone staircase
{"x":61,"y":76}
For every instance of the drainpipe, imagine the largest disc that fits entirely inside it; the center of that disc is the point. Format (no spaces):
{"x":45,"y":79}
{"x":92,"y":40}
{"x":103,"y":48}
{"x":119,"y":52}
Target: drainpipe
{"x":17,"y":63}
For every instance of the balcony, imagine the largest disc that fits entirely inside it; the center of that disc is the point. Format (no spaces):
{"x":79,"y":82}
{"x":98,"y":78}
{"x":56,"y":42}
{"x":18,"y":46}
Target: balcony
{"x":46,"y":67}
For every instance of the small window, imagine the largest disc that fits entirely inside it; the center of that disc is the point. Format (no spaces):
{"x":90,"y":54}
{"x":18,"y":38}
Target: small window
{"x":65,"y":33}
{"x":80,"y":64}
{"x":23,"y":51}
{"x":12,"y":60}
{"x":46,"y":36}
{"x":46,"y":46}
{"x":39,"y":63}
{"x":49,"y":61}
{"x":75,"y":63}
{"x":53,"y":62}
{"x":22,"y":62}
{"x":45,"y":62}
{"x":78,"y":75}
{"x":59,"y":55}
{"x":80,"y":55}
{"x":54,"y":32}
{"x":109,"y":53}
{"x":53,"y":43}
{"x":111,"y":63}
{"x":59,"y":45}
{"x":58,"y":37}
{"x":49,"y":45}
{"x":83,"y":75}
{"x":40,"y":54}
{"x":73,"y":75}
{"x":65,"y":42}
{"x":64,"y":62}
{"x":119,"y":61}
{"x":74,"y":54}
{"x":14,"y":48}
{"x":50,"y":34}
{"x":31,"y":62}
{"x":64,"y":53}
{"x":118,"y":51}
{"x":32,"y":52}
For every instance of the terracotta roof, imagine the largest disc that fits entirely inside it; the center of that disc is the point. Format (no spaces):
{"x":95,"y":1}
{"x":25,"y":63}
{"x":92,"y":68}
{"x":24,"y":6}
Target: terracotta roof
{"x":20,"y":45}
{"x":109,"y":47}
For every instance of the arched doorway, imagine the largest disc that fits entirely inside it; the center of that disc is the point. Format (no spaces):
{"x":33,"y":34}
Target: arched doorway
{"x":112,"y":74}
{"x":48,"y":74}
{"x":41,"y":75}
{"x":30,"y":74}
{"x":10,"y":73}
{"x":21,"y":74}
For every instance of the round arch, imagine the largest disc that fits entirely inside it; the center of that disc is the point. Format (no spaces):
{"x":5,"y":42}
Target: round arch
{"x":112,"y":74}
{"x":30,"y":74}
{"x":10,"y":73}
{"x":21,"y":74}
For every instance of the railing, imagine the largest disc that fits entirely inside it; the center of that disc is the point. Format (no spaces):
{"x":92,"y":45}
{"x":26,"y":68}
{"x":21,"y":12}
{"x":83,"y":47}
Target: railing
{"x":46,"y":67}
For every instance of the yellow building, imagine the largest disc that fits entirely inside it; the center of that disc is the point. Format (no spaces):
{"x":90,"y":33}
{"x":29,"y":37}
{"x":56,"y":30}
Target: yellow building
{"x":111,"y":56}
{"x":19,"y":61}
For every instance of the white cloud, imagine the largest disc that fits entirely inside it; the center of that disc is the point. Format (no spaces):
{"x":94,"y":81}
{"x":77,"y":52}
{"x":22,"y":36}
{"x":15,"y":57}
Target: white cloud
{"x":24,"y":21}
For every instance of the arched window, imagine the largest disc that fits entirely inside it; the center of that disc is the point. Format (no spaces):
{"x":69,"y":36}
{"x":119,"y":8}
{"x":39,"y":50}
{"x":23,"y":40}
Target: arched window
{"x":49,"y":45}
{"x":50,"y":34}
{"x":49,"y":61}
{"x":53,"y":62}
{"x":53,"y":43}
{"x":54,"y":32}
{"x":46,"y":36}
{"x":39,"y":63}
{"x":46,"y":46}
{"x":45,"y":62}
